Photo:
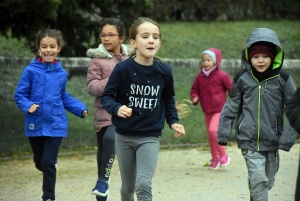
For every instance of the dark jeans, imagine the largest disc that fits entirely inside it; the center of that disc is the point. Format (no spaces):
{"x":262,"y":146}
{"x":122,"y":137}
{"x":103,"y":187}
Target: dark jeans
{"x":106,"y":151}
{"x":45,"y":152}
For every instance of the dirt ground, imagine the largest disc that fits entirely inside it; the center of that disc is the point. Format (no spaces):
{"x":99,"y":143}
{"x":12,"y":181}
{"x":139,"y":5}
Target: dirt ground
{"x":181,"y":174}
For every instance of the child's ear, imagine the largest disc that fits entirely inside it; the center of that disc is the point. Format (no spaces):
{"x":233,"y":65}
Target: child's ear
{"x":121,"y":39}
{"x":58,"y":49}
{"x":133,"y":43}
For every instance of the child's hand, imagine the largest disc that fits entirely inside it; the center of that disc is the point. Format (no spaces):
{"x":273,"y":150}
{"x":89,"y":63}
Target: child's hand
{"x":33,"y":108}
{"x":195,"y":100}
{"x":124,"y":111}
{"x":85,"y":114}
{"x":179,"y":130}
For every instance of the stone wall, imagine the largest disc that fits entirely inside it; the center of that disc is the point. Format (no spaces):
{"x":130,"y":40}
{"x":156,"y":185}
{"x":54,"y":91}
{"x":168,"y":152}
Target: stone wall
{"x":73,"y":62}
{"x":78,"y":65}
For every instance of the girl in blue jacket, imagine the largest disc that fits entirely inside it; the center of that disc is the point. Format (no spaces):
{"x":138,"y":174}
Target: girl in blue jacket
{"x":41,"y":95}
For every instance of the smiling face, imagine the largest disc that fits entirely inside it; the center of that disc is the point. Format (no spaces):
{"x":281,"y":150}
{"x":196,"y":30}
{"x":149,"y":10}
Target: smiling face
{"x":146,"y":43}
{"x":110,"y":39}
{"x":261,"y":62}
{"x":207,"y":62}
{"x":48,"y":49}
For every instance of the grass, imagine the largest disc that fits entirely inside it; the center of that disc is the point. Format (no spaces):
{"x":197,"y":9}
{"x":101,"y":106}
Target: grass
{"x":189,"y":39}
{"x":13,"y":47}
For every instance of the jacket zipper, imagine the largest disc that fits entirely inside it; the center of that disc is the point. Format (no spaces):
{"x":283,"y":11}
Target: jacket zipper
{"x":259,"y":96}
{"x":258,"y":118}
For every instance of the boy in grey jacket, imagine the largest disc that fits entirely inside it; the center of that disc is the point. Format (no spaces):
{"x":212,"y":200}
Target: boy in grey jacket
{"x":259,"y":93}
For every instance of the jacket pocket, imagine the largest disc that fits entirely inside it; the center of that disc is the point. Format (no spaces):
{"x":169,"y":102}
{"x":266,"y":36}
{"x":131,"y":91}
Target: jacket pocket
{"x":33,"y":122}
{"x":59,"y":118}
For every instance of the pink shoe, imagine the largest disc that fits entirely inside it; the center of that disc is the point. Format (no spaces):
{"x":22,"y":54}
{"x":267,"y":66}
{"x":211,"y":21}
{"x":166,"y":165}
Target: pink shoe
{"x":225,"y":160}
{"x":214,"y":164}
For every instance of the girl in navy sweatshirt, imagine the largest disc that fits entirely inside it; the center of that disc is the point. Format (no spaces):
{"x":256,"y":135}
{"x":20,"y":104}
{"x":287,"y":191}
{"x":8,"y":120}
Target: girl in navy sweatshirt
{"x":140,"y":97}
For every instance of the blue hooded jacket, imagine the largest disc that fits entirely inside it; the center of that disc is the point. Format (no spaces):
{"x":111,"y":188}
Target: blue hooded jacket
{"x":44,"y":84}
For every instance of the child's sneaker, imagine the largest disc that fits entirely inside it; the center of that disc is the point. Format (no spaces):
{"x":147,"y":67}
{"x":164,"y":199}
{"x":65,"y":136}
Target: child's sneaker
{"x":100,"y":198}
{"x":224,"y":160}
{"x":101,"y":188}
{"x":214,"y":164}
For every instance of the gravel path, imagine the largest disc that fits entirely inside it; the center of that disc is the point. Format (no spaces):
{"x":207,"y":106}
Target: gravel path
{"x":181,"y":174}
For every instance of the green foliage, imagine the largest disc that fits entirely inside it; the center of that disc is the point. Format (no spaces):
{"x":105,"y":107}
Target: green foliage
{"x":189,"y":39}
{"x":78,"y":20}
{"x":226,"y":10}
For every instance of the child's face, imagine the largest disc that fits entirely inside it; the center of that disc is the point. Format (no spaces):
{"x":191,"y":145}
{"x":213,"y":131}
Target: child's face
{"x":49,"y":49}
{"x":261,"y":62}
{"x":147,"y":41}
{"x":110,"y":39}
{"x":207,"y":62}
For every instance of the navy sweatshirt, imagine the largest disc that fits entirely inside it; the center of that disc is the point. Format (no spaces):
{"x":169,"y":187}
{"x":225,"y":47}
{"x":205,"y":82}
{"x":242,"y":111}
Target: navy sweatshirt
{"x":148,"y":90}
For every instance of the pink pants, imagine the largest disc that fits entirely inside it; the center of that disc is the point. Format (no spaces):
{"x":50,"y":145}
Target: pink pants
{"x":212,"y":123}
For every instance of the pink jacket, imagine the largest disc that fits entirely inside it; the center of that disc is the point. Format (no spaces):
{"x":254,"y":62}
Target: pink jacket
{"x":101,"y":65}
{"x":211,"y":90}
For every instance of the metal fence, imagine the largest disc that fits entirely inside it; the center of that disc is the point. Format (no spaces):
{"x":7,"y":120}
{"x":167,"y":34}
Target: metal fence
{"x":81,"y":134}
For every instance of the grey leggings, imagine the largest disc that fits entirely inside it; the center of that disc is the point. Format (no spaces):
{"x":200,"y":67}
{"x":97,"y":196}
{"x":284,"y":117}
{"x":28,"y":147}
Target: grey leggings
{"x":137,"y":158}
{"x":262,"y":168}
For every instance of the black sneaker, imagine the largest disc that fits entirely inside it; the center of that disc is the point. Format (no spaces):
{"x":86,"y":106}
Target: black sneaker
{"x":100,"y":198}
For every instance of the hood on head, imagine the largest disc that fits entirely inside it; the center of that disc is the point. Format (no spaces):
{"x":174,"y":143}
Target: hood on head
{"x":263,"y":35}
{"x":218,"y":54}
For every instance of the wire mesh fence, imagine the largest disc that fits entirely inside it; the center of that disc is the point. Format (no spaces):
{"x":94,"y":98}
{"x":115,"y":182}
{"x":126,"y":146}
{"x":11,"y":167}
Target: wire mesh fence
{"x":81,"y":134}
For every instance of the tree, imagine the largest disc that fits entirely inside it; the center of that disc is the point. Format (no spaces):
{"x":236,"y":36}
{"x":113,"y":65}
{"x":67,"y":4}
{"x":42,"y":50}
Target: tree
{"x":77,"y":19}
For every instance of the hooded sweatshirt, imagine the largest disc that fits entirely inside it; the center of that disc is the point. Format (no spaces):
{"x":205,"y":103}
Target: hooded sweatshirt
{"x":101,"y":65}
{"x":258,"y":106}
{"x":211,"y":90}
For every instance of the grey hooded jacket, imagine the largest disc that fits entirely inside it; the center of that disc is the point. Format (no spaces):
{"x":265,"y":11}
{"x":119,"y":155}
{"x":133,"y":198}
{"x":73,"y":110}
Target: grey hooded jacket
{"x":258,"y":107}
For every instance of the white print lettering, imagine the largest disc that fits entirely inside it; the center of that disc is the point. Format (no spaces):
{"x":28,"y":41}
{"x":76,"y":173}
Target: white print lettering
{"x":143,"y":90}
{"x":144,"y":103}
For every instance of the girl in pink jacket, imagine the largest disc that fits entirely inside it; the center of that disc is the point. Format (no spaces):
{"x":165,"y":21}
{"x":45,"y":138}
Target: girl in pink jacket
{"x":103,"y":61}
{"x":209,"y":89}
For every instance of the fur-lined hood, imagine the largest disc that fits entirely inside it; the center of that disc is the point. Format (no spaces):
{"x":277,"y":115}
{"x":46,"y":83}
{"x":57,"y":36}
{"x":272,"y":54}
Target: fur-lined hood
{"x":101,"y":52}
